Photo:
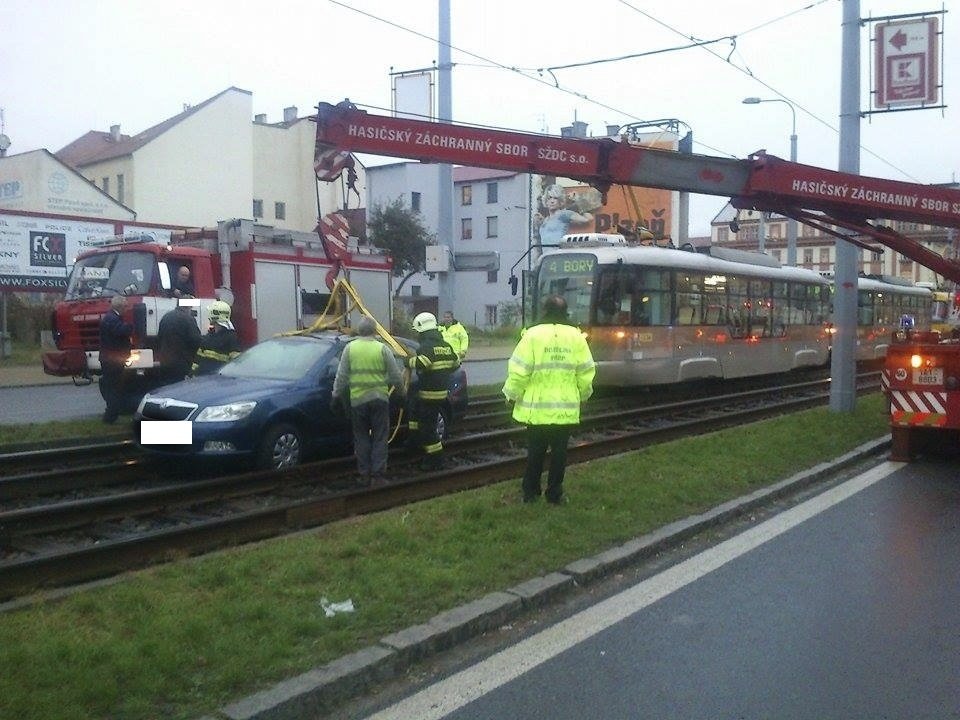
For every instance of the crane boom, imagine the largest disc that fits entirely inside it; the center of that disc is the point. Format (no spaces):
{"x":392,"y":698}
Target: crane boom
{"x":761,"y":182}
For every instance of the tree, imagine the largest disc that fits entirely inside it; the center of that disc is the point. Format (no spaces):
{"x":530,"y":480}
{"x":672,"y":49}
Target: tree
{"x":400,"y":231}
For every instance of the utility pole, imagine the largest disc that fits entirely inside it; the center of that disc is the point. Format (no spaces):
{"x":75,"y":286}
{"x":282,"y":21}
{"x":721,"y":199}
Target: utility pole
{"x":843,"y":387}
{"x":445,"y":290}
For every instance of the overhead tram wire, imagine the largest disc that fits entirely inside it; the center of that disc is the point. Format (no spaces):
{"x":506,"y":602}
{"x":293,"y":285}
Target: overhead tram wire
{"x":750,"y":73}
{"x":527,"y":74}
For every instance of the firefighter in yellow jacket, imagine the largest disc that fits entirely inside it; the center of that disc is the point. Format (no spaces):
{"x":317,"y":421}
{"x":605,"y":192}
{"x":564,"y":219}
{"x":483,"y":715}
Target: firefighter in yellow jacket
{"x":549,"y":375}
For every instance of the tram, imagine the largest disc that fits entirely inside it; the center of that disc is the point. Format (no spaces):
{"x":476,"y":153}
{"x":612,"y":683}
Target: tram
{"x":655,"y":315}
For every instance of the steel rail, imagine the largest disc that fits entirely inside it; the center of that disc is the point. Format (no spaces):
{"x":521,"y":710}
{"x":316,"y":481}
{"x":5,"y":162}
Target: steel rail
{"x":110,"y":556}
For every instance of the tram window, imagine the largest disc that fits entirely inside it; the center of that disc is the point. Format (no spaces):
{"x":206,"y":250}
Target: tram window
{"x":610,"y":297}
{"x":781,"y":308}
{"x":689,"y":299}
{"x":738,"y":306}
{"x":865,"y":313}
{"x":800,"y":300}
{"x":760,"y":307}
{"x":715,"y":300}
{"x":650,"y":301}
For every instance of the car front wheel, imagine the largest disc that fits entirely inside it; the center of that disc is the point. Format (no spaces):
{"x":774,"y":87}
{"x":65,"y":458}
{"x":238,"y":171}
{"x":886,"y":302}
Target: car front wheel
{"x":282,"y":447}
{"x":443,"y":423}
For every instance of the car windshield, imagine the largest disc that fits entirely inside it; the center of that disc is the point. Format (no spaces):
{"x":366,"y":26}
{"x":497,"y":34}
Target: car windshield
{"x":286,"y":358}
{"x":112,"y":273}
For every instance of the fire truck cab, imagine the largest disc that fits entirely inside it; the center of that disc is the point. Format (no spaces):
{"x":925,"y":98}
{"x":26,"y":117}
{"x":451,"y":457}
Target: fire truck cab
{"x":275,"y":280}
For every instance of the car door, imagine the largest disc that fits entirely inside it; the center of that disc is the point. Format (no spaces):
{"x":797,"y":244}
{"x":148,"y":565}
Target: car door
{"x":331,"y":427}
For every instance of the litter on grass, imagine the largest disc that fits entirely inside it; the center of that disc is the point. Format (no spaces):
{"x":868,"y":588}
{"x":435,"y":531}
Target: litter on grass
{"x":331,"y":608}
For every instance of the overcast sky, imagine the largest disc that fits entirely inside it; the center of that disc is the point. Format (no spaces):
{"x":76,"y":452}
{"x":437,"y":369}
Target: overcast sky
{"x":70,"y":66}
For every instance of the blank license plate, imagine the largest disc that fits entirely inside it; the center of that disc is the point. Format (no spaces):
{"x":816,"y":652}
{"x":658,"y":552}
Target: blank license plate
{"x":930,"y":376}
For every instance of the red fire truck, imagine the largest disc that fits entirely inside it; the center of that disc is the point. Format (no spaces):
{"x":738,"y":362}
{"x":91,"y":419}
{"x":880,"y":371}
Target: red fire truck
{"x":923,"y":370}
{"x":275,"y":280}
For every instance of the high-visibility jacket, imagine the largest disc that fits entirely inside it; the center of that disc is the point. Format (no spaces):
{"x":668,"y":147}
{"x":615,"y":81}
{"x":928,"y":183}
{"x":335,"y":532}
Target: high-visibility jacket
{"x":456,"y":337}
{"x":367,"y":367}
{"x":549,"y":375}
{"x":434,"y":362}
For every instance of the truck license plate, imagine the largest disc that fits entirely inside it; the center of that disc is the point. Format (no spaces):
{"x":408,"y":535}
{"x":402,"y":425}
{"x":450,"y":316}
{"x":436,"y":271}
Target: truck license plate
{"x":928,"y":376}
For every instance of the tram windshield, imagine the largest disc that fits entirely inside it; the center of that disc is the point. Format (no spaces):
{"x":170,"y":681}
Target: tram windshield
{"x":571,"y":277}
{"x":112,"y":273}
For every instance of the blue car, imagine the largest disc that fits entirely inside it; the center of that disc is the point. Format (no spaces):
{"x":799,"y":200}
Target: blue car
{"x":271,"y":405}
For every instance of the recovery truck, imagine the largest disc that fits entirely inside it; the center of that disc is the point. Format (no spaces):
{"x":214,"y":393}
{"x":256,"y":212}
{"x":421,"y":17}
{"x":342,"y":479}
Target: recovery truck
{"x":275,"y":280}
{"x":922,"y":370}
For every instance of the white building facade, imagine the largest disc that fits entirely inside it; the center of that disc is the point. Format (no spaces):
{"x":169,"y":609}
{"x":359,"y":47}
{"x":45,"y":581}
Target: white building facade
{"x":491,"y":234}
{"x":213,"y":161}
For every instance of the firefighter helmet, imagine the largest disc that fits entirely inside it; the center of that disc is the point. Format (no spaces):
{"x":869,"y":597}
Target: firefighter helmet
{"x":220,"y":314}
{"x":425,"y":321}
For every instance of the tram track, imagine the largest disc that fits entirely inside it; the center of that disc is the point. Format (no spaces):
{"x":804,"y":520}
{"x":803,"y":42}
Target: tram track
{"x":56,"y":543}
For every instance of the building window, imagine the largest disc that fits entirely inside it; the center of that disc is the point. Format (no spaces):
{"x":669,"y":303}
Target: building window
{"x":492,"y":226}
{"x":808,"y":231}
{"x":415,"y":290}
{"x":491,"y":192}
{"x":120,"y":187}
{"x":106,"y":185}
{"x":280,"y":211}
{"x":466,"y":195}
{"x":824,"y":258}
{"x":492,"y":276}
{"x":415,"y":202}
{"x":776,"y":255}
{"x":466,"y":228}
{"x":723,"y":234}
{"x":491,"y":311}
{"x":808,"y":257}
{"x":258,"y":208}
{"x":774,"y":231}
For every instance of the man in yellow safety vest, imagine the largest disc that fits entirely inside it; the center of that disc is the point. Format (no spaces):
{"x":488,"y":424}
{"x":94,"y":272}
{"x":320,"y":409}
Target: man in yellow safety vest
{"x":455,"y":335}
{"x":368,"y":370}
{"x":549,"y":375}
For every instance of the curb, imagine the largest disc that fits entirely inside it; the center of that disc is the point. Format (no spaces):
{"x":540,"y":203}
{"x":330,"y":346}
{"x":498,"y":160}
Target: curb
{"x":319,"y":690}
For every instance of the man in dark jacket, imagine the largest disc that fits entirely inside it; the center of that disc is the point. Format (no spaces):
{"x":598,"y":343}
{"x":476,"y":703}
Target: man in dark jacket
{"x":434,"y":362}
{"x":115,"y":346}
{"x":178,"y":337}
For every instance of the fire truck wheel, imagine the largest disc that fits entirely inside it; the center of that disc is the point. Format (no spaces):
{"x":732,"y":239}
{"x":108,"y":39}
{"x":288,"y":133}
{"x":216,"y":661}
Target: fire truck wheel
{"x":281,"y":448}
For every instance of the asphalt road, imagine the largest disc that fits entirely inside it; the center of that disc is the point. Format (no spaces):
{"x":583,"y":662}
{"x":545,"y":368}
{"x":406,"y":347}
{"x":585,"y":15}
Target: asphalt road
{"x":43,"y":403}
{"x":846,"y":606}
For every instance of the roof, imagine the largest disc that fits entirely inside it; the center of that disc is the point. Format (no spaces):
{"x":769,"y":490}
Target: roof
{"x":96,"y":146}
{"x":470,"y":174}
{"x":73,"y":171}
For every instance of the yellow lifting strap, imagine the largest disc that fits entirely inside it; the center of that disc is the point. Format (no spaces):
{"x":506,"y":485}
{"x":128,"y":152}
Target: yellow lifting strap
{"x":344,"y":299}
{"x":337,"y":310}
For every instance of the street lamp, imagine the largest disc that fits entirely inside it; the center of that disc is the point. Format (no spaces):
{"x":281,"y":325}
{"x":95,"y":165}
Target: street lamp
{"x":791,"y":223}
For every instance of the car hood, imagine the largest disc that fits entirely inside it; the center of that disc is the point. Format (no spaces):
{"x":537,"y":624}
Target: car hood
{"x":209,"y":390}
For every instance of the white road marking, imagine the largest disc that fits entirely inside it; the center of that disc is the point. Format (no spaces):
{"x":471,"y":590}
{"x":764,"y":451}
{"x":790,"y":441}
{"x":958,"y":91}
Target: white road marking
{"x":452,"y":693}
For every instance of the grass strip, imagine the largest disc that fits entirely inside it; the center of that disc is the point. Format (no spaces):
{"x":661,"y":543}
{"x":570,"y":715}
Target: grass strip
{"x":183,"y":639}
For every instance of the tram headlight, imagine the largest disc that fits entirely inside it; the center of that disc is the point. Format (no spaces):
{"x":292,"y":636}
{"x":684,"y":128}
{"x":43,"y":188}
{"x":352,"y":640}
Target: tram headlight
{"x":916,"y":361}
